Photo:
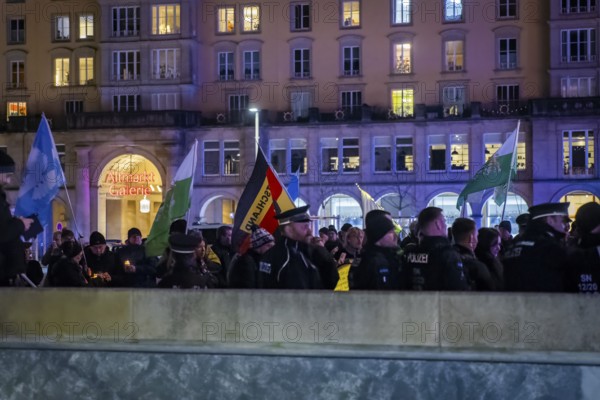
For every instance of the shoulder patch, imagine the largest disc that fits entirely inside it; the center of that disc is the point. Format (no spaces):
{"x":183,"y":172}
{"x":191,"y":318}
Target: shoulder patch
{"x":264,"y":267}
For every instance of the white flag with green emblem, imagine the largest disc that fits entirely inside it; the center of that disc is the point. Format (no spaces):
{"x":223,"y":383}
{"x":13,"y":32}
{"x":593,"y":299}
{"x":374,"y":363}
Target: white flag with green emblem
{"x":495,"y":173}
{"x":175,"y":205}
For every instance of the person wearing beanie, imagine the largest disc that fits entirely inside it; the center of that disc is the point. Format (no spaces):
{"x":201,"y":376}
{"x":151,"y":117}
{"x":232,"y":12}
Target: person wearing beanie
{"x":101,"y":261}
{"x":244,"y":268}
{"x":67,"y":272}
{"x":12,"y":250}
{"x":584,"y":258}
{"x":379,"y":267}
{"x":135,"y":269}
{"x":538,"y":261}
{"x":183,"y":274}
{"x":434,"y":264}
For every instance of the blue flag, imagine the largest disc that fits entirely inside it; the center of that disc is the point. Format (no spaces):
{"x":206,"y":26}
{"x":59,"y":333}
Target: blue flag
{"x":42,"y":177}
{"x":293,"y":187}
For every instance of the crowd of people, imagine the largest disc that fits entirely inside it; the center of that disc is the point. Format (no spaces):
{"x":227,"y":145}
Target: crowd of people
{"x":550,"y":253}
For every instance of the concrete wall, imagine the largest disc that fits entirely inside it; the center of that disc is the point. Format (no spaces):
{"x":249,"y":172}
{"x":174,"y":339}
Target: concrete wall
{"x":263,"y":344}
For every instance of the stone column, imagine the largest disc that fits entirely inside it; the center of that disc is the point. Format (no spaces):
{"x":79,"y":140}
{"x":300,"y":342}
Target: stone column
{"x":81,"y":202}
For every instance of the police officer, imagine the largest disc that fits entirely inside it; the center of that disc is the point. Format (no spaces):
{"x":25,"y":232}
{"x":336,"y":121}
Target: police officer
{"x":584,"y":260}
{"x":537,"y":262}
{"x":294,"y":263}
{"x":183,"y":275}
{"x":434,"y":264}
{"x":379,"y":267}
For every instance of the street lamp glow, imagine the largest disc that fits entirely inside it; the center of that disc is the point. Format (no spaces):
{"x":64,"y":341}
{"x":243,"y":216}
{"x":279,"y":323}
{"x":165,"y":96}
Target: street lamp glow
{"x":256,"y":112}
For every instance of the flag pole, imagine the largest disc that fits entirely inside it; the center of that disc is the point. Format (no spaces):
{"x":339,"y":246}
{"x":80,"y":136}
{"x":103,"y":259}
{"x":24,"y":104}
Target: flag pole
{"x":194,"y":165}
{"x":512,"y":163}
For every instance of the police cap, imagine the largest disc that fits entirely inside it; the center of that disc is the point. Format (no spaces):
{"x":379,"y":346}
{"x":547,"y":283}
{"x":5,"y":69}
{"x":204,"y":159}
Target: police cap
{"x":548,"y":210}
{"x":298,"y":214}
{"x":183,"y":243}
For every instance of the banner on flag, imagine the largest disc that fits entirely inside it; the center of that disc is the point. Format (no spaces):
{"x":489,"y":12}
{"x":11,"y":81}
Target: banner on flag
{"x":262,"y":198}
{"x":495,"y":173}
{"x":175,"y":205}
{"x":42,"y":177}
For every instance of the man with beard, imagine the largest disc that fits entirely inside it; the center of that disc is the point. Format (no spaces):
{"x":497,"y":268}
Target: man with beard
{"x":584,"y":260}
{"x":537,"y":262}
{"x":294,"y":263}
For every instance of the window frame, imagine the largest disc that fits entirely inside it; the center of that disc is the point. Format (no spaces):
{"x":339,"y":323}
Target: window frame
{"x":162,"y":59}
{"x":402,"y":12}
{"x":347,"y":17}
{"x":567,"y":8}
{"x":55,"y":27}
{"x":458,"y":11}
{"x":21,"y":109}
{"x":403,"y":111}
{"x":87,"y":22}
{"x":86,"y":75}
{"x":301,"y":64}
{"x":167,"y":13}
{"x":452,"y":58}
{"x":589,"y":149}
{"x":117,"y":20}
{"x":65,"y":70}
{"x":226,"y":64}
{"x":566,"y":45}
{"x":225,"y":16}
{"x":250,"y":24}
{"x":118,"y":99}
{"x":592,"y":86}
{"x":299,"y":20}
{"x":17,"y":75}
{"x":507,"y":9}
{"x":16,"y":34}
{"x":252,"y":65}
{"x":135,"y":64}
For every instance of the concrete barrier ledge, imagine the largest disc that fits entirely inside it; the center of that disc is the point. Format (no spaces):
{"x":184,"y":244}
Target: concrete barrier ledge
{"x":429,"y":323}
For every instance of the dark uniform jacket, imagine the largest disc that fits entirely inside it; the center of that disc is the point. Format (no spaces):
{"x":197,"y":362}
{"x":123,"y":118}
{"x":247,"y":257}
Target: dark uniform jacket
{"x":243,"y":270}
{"x":12,"y":250}
{"x":182,"y":277}
{"x":537,"y":262}
{"x":293,"y":265}
{"x":479,"y":276}
{"x":379,"y":269}
{"x":584,"y":266}
{"x":67,"y":273}
{"x":435,"y":265}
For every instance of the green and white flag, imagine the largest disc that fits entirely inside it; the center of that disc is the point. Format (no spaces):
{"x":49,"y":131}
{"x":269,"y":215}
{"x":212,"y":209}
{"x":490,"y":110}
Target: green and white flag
{"x":175,"y":206}
{"x":495,"y":173}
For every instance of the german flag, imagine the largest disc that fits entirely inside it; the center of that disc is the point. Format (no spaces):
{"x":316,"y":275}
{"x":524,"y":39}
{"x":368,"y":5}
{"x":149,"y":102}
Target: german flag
{"x":263,"y":198}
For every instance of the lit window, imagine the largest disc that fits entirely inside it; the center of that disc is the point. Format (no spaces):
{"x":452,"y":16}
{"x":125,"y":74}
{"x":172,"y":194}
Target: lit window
{"x":403,"y":102}
{"x":125,"y":21}
{"x":126,"y":65}
{"x":578,"y":86}
{"x":225,"y":67}
{"x":226,"y":19}
{"x":350,"y":155}
{"x":16,"y":109}
{"x":221,"y":157}
{"x":251,"y":15}
{"x":298,"y":156}
{"x":459,"y":157}
{"x":165,"y":19}
{"x":231,"y":158}
{"x":165,"y":63}
{"x":404,"y":154}
{"x":61,"y":72}
{"x":493,"y":141}
{"x":402,"y":11}
{"x":578,"y":45}
{"x":62,"y":29}
{"x":454,"y":55}
{"x":578,"y":152}
{"x":454,"y":100}
{"x":86,"y":70}
{"x":86,"y":26}
{"x":350,"y":13}
{"x":453,"y":10}
{"x":329,"y":155}
{"x":402,"y":58}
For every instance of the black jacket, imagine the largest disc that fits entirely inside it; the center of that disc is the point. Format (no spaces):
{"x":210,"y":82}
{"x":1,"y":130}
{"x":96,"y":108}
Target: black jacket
{"x":145,"y":268}
{"x":435,"y":265}
{"x":477,"y":272}
{"x":584,"y":266}
{"x":537,"y":262}
{"x":379,"y":269}
{"x":243,"y":270}
{"x":105,"y":262}
{"x":67,"y":273}
{"x":12,"y":250}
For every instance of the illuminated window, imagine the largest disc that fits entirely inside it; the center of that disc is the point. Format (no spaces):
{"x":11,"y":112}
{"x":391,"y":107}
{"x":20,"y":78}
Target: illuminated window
{"x":440,"y":157}
{"x":86,"y":70}
{"x":125,"y":21}
{"x":459,"y":157}
{"x":86,"y":26}
{"x":454,"y":55}
{"x":61,"y":71}
{"x":401,"y":11}
{"x":298,"y":156}
{"x":165,"y":63}
{"x":350,"y":13}
{"x":454,"y":100}
{"x":16,"y":109}
{"x":62,"y":27}
{"x":165,"y":19}
{"x":403,"y":102}
{"x":126,"y":65}
{"x":225,"y":19}
{"x":251,"y":65}
{"x":402,"y":57}
{"x":404,"y":154}
{"x":350,"y":155}
{"x":578,"y":152}
{"x":493,"y":141}
{"x":225,"y":67}
{"x":17,"y":74}
{"x":16,"y":30}
{"x":578,"y":86}
{"x":231,"y":157}
{"x":329,"y":155}
{"x":351,"y":60}
{"x":578,"y":45}
{"x":251,"y":15}
{"x":453,"y":10}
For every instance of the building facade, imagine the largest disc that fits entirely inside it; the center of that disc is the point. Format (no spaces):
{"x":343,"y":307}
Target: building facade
{"x":406,"y":98}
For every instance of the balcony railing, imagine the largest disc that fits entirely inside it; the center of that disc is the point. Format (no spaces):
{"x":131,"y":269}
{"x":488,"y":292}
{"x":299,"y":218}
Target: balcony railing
{"x":566,"y":106}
